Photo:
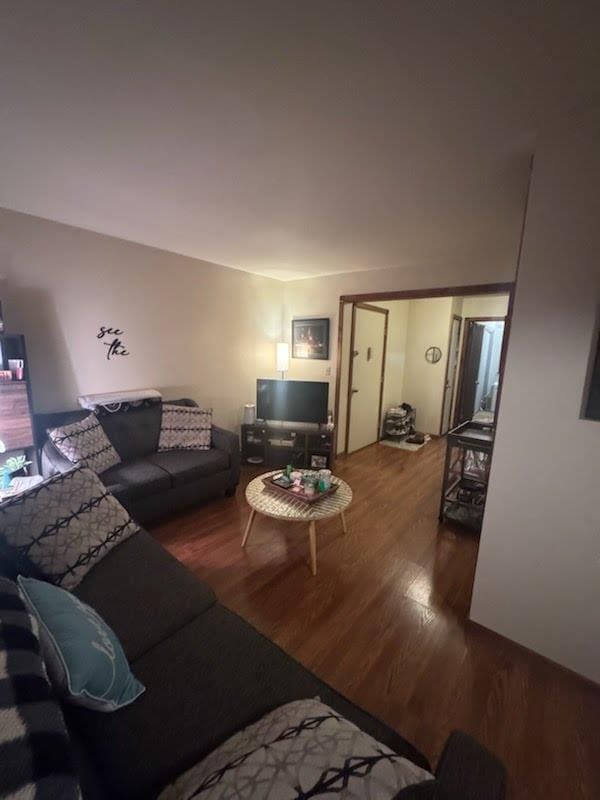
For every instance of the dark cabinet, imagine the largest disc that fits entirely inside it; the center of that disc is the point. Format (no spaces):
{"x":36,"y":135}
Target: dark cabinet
{"x":16,"y":429}
{"x":276,"y":446}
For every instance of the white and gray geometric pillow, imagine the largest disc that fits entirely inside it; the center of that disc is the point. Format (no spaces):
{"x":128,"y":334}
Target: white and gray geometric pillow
{"x":64,"y":526}
{"x":185,"y":428}
{"x":302,"y":749}
{"x":84,"y":443}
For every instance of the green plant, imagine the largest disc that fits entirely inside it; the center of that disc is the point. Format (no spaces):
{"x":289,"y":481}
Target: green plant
{"x":14,"y":464}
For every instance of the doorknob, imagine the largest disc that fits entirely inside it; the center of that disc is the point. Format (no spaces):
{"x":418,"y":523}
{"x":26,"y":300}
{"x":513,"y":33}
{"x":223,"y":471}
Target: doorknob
{"x":354,"y":391}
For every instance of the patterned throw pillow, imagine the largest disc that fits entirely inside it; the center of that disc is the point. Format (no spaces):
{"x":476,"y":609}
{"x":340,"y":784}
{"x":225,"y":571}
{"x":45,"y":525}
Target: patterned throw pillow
{"x":84,"y":443}
{"x":64,"y":526}
{"x":302,"y":749}
{"x":85,"y":660}
{"x":35,"y":752}
{"x":185,"y":428}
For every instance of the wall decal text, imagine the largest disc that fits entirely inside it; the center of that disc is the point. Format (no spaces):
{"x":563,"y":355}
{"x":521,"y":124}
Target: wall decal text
{"x":115,"y":345}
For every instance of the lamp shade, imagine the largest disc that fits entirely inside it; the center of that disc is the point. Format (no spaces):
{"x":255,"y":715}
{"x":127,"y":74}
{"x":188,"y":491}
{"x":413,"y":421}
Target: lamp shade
{"x":283,"y":356}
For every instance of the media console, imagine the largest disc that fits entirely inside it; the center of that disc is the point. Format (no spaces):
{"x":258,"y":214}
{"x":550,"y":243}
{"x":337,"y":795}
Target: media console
{"x":276,"y":445}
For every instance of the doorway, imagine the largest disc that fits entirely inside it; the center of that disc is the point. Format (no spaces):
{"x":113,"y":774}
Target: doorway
{"x":480,"y":369}
{"x":366,"y":375}
{"x":422,"y":369}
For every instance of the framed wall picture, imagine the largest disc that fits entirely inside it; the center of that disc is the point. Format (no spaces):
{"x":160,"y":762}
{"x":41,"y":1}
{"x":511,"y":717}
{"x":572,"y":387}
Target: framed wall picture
{"x":310,"y":338}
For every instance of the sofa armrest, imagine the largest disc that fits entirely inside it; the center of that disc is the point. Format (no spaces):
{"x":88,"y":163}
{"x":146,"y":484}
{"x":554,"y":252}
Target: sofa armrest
{"x":225,"y":440}
{"x":229,"y":442}
{"x":53,"y":462}
{"x":467,"y":771}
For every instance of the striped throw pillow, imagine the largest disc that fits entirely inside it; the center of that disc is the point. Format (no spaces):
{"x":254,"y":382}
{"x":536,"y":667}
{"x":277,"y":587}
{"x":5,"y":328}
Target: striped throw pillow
{"x":185,"y":428}
{"x":85,"y":444}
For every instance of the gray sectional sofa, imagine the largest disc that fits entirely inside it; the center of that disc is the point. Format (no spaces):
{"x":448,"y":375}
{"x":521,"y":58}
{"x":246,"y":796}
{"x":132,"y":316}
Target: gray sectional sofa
{"x":148,"y":483}
{"x":208,"y":673}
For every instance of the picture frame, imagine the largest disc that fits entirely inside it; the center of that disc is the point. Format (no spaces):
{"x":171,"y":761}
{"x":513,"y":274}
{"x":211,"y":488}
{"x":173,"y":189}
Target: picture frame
{"x":310,"y":338}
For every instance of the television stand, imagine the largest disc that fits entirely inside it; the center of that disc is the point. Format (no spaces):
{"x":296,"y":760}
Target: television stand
{"x":275,"y":445}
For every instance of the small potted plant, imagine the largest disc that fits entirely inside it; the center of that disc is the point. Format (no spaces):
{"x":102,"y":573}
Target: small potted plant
{"x":8,"y":469}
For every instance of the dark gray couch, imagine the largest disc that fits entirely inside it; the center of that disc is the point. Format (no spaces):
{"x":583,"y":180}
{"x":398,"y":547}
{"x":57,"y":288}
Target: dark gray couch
{"x":207,"y":674}
{"x":148,"y":483}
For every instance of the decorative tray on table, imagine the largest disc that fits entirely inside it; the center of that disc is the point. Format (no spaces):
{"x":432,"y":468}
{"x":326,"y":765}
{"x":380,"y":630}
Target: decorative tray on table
{"x":294,"y":491}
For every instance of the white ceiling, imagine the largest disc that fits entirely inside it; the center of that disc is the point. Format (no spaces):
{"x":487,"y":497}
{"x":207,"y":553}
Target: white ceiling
{"x":288,"y":138}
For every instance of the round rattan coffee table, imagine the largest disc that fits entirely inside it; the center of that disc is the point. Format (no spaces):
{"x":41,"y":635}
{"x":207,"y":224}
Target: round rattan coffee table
{"x":267,"y":502}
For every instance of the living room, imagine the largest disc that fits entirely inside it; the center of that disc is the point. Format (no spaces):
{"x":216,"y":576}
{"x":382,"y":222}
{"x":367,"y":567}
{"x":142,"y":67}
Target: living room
{"x":182,"y":186}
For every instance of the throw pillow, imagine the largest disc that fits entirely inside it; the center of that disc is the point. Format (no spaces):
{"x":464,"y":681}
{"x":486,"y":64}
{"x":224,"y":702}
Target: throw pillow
{"x":302,"y":749}
{"x":65,"y":525}
{"x":35,"y":752}
{"x":84,"y":443}
{"x":185,"y":428}
{"x":85,"y":660}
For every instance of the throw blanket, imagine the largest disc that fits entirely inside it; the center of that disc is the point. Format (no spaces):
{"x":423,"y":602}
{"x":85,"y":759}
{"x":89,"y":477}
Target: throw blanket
{"x":35,"y":754}
{"x":114,"y":401}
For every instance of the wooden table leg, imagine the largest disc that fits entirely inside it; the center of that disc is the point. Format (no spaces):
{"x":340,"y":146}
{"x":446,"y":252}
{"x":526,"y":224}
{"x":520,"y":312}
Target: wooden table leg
{"x":248,"y":527}
{"x":344,"y":526}
{"x":312,"y":534}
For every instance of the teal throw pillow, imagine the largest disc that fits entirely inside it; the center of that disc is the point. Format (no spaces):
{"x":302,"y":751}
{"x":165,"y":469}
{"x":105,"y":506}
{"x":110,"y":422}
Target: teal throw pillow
{"x":84,"y":658}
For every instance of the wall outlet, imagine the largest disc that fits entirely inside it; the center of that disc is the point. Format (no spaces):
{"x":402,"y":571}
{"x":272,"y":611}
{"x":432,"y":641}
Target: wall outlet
{"x":328,"y":372}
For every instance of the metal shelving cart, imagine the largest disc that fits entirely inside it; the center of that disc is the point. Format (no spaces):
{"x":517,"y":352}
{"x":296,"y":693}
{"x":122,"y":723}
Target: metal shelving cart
{"x":466,"y":473}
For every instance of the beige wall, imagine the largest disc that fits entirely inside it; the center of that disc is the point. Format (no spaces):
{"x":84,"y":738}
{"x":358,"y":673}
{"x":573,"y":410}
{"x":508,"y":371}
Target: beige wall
{"x":192,"y":328}
{"x":538,"y":573}
{"x":428,"y":326}
{"x":494,"y":305}
{"x":395,"y":360}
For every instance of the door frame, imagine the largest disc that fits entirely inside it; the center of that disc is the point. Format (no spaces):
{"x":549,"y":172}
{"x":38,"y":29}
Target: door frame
{"x":379,"y":310}
{"x":414,"y":294}
{"x":456,"y":373}
{"x":464,"y":350}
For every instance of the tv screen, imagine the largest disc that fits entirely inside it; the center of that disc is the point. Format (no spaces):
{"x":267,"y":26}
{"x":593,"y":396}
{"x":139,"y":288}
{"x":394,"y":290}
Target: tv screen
{"x":292,"y":401}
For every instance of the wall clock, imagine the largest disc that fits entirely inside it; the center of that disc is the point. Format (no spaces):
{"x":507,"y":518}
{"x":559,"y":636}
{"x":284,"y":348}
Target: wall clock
{"x":433,"y":355}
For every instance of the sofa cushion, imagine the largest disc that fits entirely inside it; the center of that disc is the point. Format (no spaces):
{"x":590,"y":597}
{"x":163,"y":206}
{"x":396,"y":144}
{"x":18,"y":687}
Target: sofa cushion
{"x":184,"y":428}
{"x":185,"y":466}
{"x":84,"y":658}
{"x":64,"y":526}
{"x":85,"y":443}
{"x":136,"y":479}
{"x":143,"y":593}
{"x":35,"y":756}
{"x":134,"y":433}
{"x":301,"y":749}
{"x":203,"y":684}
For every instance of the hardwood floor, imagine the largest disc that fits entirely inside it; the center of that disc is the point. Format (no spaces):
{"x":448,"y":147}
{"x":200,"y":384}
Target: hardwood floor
{"x":385,"y":621}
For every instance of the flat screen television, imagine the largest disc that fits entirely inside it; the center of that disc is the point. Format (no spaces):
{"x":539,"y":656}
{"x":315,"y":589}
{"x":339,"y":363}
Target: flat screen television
{"x":292,"y":401}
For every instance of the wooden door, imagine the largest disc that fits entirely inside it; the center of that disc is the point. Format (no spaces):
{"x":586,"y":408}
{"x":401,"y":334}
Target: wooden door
{"x":367,"y":365}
